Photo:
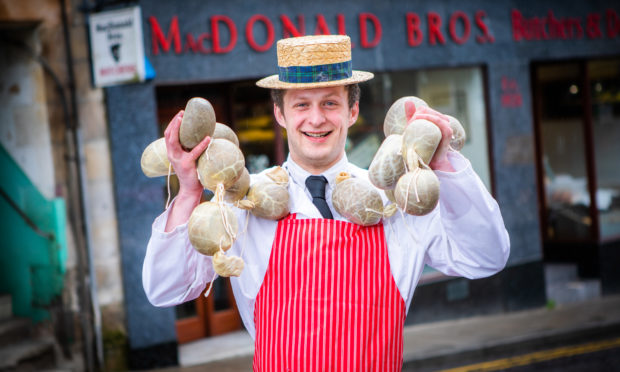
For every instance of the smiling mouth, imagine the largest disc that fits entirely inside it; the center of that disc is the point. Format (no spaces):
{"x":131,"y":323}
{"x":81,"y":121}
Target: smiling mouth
{"x":317,"y":134}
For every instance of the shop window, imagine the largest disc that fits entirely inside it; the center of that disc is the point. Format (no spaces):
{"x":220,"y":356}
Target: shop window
{"x":604,"y":84}
{"x":577,"y":107}
{"x":241,"y":105}
{"x":564,"y":153}
{"x":261,"y":139}
{"x":456,"y":91}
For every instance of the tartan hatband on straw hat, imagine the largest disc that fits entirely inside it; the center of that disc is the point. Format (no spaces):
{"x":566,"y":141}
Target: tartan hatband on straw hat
{"x":313,"y":62}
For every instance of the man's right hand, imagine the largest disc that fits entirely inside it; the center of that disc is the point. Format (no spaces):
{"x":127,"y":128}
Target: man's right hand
{"x":184,"y":165}
{"x":440,"y":157}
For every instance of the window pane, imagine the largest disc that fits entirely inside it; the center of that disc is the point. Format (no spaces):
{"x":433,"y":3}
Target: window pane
{"x":186,"y":310}
{"x":563,"y":147}
{"x":457,"y":91}
{"x":460,"y":93}
{"x":366,"y":135}
{"x":252,"y":117}
{"x":221,"y":299}
{"x":605,"y":95}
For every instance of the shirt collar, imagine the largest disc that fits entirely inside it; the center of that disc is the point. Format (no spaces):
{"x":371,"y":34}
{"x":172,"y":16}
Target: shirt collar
{"x":299,"y":175}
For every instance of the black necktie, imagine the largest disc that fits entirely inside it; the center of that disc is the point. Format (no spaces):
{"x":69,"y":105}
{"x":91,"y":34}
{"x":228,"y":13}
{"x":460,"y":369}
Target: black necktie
{"x":316,"y":186}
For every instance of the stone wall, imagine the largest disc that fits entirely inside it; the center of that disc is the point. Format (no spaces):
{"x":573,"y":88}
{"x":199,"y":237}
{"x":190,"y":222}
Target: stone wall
{"x":24,"y":130}
{"x":34,"y":130}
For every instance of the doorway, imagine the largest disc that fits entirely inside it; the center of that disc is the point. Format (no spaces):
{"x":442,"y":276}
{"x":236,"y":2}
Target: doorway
{"x":577,"y":127}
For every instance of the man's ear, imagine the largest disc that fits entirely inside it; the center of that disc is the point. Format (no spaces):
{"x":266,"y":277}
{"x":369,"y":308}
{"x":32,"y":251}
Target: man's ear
{"x":354,"y":113}
{"x":279,"y":116}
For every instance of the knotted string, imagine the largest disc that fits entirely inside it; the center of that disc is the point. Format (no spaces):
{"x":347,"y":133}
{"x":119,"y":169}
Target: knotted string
{"x":373,"y":210}
{"x":219,"y":199}
{"x":210,"y":285}
{"x":416,"y":174}
{"x":383,"y":214}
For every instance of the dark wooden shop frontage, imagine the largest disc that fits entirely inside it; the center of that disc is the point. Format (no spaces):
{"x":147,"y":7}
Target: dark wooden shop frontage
{"x":536,"y":85}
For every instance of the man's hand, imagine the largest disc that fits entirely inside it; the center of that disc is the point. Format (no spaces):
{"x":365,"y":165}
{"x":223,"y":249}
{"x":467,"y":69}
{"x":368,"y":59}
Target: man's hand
{"x":184,"y":165}
{"x":184,"y":162}
{"x":440,"y":158}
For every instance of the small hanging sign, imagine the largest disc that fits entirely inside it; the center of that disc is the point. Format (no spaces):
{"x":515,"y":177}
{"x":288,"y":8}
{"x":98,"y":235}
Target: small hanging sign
{"x":117,"y":49}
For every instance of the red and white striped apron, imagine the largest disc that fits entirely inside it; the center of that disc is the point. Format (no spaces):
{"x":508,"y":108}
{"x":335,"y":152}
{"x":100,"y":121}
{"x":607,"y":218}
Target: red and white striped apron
{"x":328,"y":301}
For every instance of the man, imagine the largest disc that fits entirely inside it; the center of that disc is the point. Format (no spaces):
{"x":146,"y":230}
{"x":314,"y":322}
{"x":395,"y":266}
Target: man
{"x":319,"y":292}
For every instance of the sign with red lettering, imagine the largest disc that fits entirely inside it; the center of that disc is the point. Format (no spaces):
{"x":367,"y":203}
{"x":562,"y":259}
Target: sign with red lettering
{"x":511,"y":94}
{"x":551,"y":27}
{"x":167,"y":37}
{"x":429,"y":29}
{"x":460,"y":26}
{"x":117,"y":49}
{"x":459,"y":29}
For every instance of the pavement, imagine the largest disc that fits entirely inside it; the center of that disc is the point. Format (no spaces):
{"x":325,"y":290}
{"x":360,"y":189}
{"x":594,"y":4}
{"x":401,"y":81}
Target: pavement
{"x":445,"y":344}
{"x":434,"y":346}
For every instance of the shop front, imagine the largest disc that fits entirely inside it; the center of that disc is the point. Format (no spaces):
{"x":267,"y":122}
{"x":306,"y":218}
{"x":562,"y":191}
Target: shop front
{"x":577,"y":115}
{"x":507,"y":71}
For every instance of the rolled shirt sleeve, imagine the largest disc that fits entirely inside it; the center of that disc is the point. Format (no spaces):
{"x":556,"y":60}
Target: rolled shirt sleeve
{"x":173,"y":271}
{"x":473,"y":241}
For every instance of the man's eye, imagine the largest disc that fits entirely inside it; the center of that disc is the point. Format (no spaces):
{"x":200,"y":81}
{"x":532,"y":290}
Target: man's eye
{"x":331,"y":103}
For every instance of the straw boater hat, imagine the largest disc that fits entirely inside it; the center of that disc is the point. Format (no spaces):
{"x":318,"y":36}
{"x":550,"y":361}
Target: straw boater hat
{"x":313,"y":62}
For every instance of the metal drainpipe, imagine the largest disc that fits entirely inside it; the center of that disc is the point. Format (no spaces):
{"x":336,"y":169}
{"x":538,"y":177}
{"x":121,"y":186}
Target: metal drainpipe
{"x":84,"y":212}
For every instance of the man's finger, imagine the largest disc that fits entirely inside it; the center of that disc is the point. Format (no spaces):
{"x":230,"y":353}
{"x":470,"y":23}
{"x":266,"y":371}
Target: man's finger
{"x":430,"y":111}
{"x":170,"y":124}
{"x":200,"y":148}
{"x":172,"y":132}
{"x":441,"y":121}
{"x":409,"y":110}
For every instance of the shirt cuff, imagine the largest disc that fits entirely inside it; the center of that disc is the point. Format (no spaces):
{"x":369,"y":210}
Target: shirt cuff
{"x":461,"y":166}
{"x":159,"y":225}
{"x":460,"y":190}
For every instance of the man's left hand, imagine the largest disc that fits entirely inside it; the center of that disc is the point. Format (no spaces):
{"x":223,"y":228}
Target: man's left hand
{"x":440,"y":158}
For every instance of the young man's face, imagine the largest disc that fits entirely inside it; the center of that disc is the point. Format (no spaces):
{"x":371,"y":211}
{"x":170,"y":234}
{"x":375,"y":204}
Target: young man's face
{"x":316,"y":122}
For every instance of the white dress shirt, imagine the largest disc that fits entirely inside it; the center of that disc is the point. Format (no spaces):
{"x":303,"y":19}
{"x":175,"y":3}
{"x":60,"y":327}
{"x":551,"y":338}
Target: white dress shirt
{"x":463,"y":236}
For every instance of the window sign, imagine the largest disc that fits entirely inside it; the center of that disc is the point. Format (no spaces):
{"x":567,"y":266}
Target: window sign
{"x":117,"y":51}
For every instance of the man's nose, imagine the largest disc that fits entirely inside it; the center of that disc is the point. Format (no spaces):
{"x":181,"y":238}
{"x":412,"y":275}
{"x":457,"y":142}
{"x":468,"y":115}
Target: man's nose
{"x":316,"y":115}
